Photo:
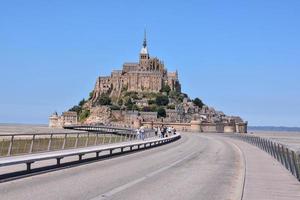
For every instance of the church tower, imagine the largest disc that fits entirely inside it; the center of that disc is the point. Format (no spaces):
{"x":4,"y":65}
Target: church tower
{"x":144,"y":55}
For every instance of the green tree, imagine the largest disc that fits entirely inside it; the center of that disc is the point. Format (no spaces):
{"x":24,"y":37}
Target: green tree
{"x":84,"y":115}
{"x":129,"y":104}
{"x":120,"y":102}
{"x":104,"y":100}
{"x":135,"y":107}
{"x":171,"y":107}
{"x":161,"y":112}
{"x":166,"y":88}
{"x":174,"y":94}
{"x":162,"y":100}
{"x":115,"y":107}
{"x":91,"y":95}
{"x":133,"y":95}
{"x":198,"y":102}
{"x":76,"y":109}
{"x":151,"y":101}
{"x":82,"y":102}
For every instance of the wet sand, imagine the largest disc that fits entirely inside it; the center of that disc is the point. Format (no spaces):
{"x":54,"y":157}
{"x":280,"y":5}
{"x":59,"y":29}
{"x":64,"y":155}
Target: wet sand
{"x":290,"y":139}
{"x":29,"y":129}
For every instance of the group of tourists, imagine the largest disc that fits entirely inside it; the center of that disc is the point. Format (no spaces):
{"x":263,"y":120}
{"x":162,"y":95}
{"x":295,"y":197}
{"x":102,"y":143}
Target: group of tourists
{"x":161,"y":132}
{"x":164,"y":131}
{"x":140,"y":133}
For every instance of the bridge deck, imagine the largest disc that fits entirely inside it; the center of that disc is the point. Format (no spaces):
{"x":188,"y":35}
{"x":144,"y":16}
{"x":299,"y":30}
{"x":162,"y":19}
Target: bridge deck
{"x":266,"y":178}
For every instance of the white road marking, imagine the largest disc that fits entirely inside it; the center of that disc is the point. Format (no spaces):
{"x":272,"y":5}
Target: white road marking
{"x":134,"y":182}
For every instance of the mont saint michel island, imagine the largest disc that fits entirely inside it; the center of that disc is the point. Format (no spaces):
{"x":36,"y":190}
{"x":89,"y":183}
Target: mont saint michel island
{"x":150,"y":100}
{"x":145,"y":93}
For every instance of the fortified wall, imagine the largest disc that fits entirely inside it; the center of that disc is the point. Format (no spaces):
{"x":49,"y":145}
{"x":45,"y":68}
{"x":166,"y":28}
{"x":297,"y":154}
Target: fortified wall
{"x":197,"y":126}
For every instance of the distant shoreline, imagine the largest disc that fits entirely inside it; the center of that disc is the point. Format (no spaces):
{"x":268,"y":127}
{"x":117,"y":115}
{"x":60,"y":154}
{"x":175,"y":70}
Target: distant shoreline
{"x":274,"y":128}
{"x":21,"y":124}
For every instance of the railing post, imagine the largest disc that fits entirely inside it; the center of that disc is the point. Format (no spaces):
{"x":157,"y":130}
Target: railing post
{"x":80,"y":157}
{"x":50,"y":142}
{"x":284,"y":156}
{"x":28,"y":166}
{"x":289,"y":161}
{"x":271,"y":149}
{"x":31,"y":145}
{"x":87,"y":140}
{"x":103,"y":138}
{"x":9,"y":152}
{"x":76,"y":141}
{"x":64,"y":142}
{"x":265,"y":145}
{"x":280,"y":154}
{"x":275,"y":151}
{"x":110,"y":139}
{"x":97,"y":154}
{"x":297,"y":158}
{"x":58,"y":161}
{"x":259,"y":141}
{"x":296,"y":163}
{"x":96,"y":139}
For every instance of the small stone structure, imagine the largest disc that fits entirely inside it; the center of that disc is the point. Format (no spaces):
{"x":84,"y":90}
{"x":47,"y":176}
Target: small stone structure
{"x":67,"y":118}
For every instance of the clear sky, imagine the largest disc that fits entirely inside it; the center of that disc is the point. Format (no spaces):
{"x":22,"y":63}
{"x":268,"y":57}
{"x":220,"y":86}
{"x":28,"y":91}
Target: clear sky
{"x":241,"y":57}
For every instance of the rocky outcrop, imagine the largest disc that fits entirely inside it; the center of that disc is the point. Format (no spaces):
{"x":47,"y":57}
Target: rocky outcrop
{"x":99,"y":114}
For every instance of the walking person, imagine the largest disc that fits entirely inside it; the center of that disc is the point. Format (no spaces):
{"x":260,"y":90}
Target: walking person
{"x":156,"y":131}
{"x":159,"y":132}
{"x":142,"y":133}
{"x":163,"y":132}
{"x":169,"y":131}
{"x":138,"y":134}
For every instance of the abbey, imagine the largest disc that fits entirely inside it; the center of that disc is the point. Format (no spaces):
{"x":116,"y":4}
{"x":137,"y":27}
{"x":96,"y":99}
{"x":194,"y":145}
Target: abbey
{"x":147,"y":75}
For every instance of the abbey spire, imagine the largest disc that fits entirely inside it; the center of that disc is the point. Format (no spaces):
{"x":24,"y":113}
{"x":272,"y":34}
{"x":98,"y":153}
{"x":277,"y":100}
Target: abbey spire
{"x":144,"y":49}
{"x":145,"y":40}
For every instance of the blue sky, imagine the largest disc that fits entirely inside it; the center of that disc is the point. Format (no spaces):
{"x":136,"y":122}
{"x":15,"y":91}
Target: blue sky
{"x":241,"y":57}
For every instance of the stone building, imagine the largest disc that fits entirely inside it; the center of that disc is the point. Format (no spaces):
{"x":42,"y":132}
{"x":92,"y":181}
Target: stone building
{"x":147,"y":75}
{"x":67,"y":118}
{"x":130,"y":116}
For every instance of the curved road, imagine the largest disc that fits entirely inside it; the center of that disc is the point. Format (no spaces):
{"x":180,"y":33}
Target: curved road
{"x":194,"y":167}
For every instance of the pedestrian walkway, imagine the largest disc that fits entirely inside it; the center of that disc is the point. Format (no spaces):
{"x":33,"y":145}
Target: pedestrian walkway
{"x":266,"y":178}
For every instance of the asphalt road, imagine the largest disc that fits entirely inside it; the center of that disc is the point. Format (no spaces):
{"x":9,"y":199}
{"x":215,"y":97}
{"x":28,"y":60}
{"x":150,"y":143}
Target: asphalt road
{"x":194,"y":167}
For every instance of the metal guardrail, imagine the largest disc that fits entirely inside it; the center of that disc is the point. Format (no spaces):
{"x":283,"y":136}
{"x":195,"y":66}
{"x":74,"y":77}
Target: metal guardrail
{"x":31,"y":158}
{"x":18,"y":144}
{"x":287,"y":157}
{"x":102,"y":128}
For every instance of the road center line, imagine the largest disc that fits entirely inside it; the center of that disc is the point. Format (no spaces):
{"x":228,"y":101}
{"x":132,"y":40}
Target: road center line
{"x":134,"y":182}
